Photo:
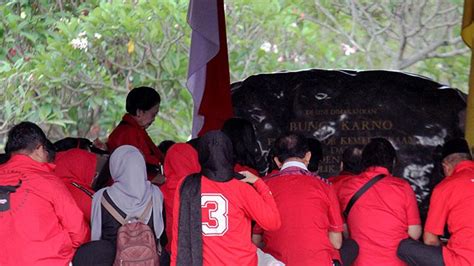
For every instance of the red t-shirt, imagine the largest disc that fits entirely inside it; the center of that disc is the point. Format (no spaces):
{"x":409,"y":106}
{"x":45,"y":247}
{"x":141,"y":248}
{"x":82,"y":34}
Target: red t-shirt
{"x":309,"y":211}
{"x":129,"y":132}
{"x":452,"y":202}
{"x":338,"y":181}
{"x":44,"y":226}
{"x":240,"y":168}
{"x":379,"y":220}
{"x":227,"y":211}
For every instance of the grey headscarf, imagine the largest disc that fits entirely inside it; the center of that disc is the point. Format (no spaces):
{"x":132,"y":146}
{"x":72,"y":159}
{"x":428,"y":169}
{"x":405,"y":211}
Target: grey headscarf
{"x":131,"y":190}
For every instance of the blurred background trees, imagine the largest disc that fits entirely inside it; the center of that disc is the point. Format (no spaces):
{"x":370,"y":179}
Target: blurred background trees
{"x":68,"y":65}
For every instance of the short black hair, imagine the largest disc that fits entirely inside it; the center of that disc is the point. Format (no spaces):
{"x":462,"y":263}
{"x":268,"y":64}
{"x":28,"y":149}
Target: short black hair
{"x":244,"y":141}
{"x":291,"y":145}
{"x":27,"y":136}
{"x":165,"y":145}
{"x":316,"y":149}
{"x":141,"y":98}
{"x":351,"y":159}
{"x":379,"y":152}
{"x":455,"y":145}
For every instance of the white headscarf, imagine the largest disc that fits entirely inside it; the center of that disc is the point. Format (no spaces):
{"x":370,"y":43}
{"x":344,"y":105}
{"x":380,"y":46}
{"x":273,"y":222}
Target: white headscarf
{"x":131,"y":191}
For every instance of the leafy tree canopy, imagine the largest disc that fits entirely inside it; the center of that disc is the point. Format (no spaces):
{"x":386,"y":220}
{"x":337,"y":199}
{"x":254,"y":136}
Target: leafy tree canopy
{"x":68,"y":65}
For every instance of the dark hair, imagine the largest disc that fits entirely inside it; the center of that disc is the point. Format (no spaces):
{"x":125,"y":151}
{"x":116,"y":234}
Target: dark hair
{"x":316,"y":150}
{"x":291,"y":145}
{"x":78,"y":143}
{"x":194,"y":142}
{"x":379,"y":152}
{"x":141,"y":98}
{"x":165,"y":145}
{"x":455,"y":145}
{"x":351,"y":159}
{"x":27,"y":136}
{"x":271,"y":163}
{"x":244,"y":142}
{"x":4,"y":158}
{"x":71,"y":143}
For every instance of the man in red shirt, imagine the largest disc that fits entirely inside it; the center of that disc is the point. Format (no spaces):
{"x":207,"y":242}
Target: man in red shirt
{"x":311,"y":219}
{"x":40,"y":223}
{"x":213,"y":210}
{"x":452,"y":203}
{"x":386,"y":213}
{"x":350,"y":166}
{"x":142,"y":105}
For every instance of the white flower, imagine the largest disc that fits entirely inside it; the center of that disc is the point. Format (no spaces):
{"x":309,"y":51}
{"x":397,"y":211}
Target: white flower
{"x":281,"y":59}
{"x":82,"y":34}
{"x":275,"y":49}
{"x":266,"y":46}
{"x":348,"y":50}
{"x":80,"y":43}
{"x":97,"y":35}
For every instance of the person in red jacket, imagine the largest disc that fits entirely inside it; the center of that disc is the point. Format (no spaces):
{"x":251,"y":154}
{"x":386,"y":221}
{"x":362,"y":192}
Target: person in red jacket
{"x":142,"y":105}
{"x":311,"y":222}
{"x":181,"y":160}
{"x":452,"y":203}
{"x":77,"y":169}
{"x":40,"y":223}
{"x":386,"y":213}
{"x":213,"y":210}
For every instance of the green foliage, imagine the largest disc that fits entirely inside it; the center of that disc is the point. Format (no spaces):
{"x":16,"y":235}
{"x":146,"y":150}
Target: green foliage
{"x":86,"y":60}
{"x":68,"y":65}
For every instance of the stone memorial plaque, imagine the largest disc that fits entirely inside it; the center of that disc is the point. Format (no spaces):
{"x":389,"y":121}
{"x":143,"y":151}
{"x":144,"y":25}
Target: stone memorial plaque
{"x":344,"y":108}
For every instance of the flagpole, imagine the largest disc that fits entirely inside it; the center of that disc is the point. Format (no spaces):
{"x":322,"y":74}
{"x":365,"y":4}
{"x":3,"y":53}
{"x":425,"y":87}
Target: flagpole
{"x":467,"y":34}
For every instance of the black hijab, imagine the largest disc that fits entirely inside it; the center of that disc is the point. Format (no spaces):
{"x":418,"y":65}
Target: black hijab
{"x":215,"y":157}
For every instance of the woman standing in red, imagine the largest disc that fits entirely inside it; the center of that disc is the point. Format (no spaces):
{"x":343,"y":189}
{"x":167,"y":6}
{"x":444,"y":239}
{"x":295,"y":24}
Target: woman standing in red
{"x":142,"y":105}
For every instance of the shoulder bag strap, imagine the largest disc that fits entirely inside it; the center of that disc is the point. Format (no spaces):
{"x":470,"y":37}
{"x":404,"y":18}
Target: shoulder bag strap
{"x":83,"y":189}
{"x":360,"y":192}
{"x":112,"y":211}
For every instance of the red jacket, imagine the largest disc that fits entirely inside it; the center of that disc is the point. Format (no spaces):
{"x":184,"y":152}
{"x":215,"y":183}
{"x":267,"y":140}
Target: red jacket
{"x":43,"y":226}
{"x":129,"y":132}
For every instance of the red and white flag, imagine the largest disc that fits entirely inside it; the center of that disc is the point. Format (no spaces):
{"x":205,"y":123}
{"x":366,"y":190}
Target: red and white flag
{"x":208,"y":70}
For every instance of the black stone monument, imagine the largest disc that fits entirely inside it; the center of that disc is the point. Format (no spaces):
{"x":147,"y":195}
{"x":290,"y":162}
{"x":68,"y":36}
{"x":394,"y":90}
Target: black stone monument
{"x":345,"y":107}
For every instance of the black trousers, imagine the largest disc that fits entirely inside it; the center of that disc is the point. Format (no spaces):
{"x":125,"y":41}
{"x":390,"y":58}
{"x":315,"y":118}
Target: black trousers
{"x":415,"y":253}
{"x":348,"y":251}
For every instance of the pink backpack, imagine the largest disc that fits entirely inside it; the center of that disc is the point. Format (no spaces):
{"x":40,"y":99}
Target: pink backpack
{"x":135,"y":240}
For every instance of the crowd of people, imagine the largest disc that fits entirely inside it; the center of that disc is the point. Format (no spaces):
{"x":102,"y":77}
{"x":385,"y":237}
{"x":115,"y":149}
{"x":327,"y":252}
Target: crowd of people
{"x":214,"y":201}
